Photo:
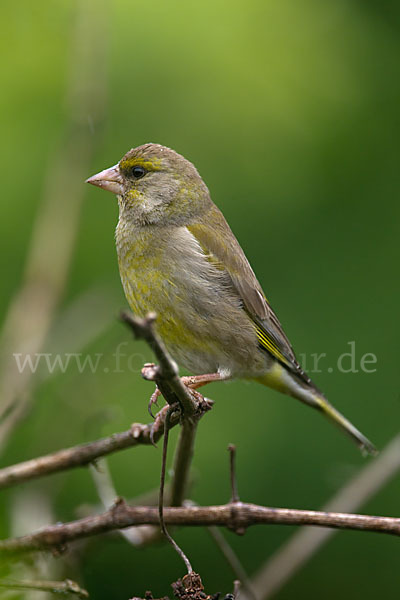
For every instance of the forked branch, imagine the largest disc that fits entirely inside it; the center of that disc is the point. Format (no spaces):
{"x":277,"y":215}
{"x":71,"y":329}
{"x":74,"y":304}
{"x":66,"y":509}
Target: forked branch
{"x":166,"y":377}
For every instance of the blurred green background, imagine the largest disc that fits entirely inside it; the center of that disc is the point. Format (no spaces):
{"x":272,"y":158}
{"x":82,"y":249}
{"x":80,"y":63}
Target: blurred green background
{"x":290,"y":111}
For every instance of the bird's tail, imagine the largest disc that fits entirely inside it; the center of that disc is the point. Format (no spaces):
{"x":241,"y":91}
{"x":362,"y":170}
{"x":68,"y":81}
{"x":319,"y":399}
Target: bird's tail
{"x":280,"y":379}
{"x":322,"y":404}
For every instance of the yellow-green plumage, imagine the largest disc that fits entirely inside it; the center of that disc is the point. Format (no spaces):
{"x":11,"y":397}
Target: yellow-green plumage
{"x":179,"y":258}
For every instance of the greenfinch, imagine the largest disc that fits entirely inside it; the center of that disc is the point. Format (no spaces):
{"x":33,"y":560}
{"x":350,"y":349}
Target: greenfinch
{"x":179,"y":258}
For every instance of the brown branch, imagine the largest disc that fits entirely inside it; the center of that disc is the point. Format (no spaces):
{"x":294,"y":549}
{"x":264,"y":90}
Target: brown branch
{"x":239,"y":515}
{"x":83,"y":454}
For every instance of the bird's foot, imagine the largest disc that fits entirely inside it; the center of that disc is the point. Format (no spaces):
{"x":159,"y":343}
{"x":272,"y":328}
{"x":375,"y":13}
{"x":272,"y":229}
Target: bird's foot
{"x":191,"y":382}
{"x":188,"y":382}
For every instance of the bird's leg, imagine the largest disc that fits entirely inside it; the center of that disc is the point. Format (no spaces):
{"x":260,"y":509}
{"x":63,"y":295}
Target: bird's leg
{"x":192,"y":382}
{"x":195,"y":381}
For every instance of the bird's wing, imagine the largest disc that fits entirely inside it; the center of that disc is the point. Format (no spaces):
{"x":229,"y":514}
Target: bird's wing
{"x":222,"y":248}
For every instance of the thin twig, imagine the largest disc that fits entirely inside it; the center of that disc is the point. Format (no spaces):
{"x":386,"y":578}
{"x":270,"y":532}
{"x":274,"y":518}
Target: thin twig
{"x":161,"y":494}
{"x":56,"y":587}
{"x":230,"y":515}
{"x":219,"y":538}
{"x":234,"y":487}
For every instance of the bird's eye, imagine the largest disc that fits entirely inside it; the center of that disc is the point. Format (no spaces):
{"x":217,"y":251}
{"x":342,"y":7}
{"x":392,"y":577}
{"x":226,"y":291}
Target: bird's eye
{"x":138,"y":172}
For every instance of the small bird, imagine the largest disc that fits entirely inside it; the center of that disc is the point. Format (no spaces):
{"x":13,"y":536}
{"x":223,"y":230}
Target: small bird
{"x":179,"y":258}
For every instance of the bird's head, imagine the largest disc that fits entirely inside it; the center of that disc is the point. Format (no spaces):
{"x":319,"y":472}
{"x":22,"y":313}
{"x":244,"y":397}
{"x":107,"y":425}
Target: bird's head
{"x":155,"y":185}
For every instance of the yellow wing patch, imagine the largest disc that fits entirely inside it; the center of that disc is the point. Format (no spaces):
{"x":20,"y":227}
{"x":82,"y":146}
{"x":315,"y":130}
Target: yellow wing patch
{"x":269,"y":344}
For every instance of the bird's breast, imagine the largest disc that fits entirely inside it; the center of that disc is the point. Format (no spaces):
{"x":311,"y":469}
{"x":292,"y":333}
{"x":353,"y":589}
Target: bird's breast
{"x":200,"y":318}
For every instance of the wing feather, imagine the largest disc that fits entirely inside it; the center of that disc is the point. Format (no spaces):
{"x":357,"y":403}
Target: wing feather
{"x":223,"y":250}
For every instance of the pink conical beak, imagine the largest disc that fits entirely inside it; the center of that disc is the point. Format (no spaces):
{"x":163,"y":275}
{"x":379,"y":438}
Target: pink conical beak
{"x":109,"y":179}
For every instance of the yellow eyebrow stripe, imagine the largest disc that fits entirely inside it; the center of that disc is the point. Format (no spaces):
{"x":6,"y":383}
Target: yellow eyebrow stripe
{"x":149,"y":165}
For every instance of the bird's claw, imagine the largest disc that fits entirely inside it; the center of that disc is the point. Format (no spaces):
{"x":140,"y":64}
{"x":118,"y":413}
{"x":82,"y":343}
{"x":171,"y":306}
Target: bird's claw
{"x":153,"y":401}
{"x":159,"y":420}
